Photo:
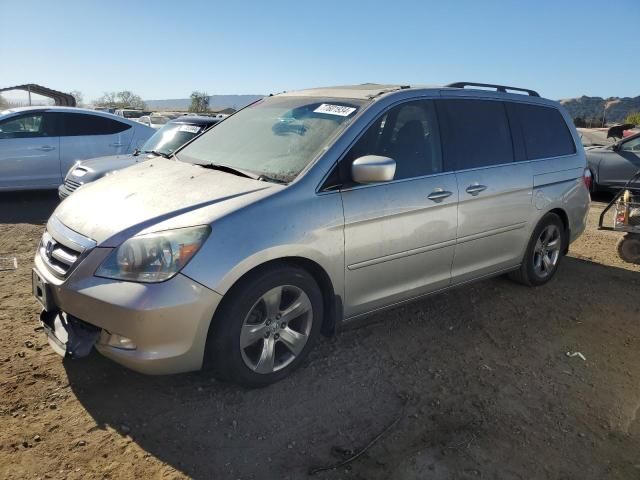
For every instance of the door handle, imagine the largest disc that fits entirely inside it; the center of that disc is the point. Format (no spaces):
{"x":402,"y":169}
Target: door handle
{"x":116,"y":144}
{"x":438,"y":195}
{"x":476,"y":189}
{"x":46,"y":148}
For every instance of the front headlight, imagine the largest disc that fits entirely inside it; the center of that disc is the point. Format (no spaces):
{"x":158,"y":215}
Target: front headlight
{"x":154,"y":257}
{"x":73,"y":167}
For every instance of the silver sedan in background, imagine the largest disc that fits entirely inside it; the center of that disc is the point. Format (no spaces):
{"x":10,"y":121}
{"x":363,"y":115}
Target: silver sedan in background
{"x":39,"y":144}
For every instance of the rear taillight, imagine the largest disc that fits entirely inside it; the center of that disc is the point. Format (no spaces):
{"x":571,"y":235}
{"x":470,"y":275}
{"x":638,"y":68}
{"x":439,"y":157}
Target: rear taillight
{"x":587,"y":178}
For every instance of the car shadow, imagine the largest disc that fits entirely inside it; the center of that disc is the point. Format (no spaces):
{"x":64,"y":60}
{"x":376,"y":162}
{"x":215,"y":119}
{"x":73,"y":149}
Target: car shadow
{"x":352,"y":385}
{"x":27,"y":207}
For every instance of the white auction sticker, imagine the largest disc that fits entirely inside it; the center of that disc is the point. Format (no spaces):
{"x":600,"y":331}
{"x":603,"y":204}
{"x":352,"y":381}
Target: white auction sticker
{"x":339,"y":110}
{"x":189,"y":128}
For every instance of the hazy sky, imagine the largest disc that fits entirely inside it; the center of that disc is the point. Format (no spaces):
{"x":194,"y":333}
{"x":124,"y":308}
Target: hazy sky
{"x":167,"y":49}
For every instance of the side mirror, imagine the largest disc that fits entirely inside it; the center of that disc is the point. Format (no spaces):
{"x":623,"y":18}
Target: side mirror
{"x":373,"y":169}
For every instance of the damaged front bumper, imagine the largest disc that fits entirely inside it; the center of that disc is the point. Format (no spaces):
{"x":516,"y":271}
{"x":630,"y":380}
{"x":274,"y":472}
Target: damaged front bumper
{"x":151,"y":328}
{"x":69,"y":336}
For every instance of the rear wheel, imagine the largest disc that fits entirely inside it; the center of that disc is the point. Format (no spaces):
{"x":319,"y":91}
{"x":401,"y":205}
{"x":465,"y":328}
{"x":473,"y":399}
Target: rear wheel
{"x":593,"y":187}
{"x":265,"y":327}
{"x":629,"y":248}
{"x":544,"y":252}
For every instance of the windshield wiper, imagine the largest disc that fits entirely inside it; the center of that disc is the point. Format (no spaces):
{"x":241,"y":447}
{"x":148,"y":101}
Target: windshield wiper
{"x":228,"y":169}
{"x":160,"y":154}
{"x":266,"y":178}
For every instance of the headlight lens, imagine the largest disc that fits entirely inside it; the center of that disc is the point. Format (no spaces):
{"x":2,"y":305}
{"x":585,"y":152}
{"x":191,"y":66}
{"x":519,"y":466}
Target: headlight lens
{"x":154,"y":257}
{"x":73,"y":167}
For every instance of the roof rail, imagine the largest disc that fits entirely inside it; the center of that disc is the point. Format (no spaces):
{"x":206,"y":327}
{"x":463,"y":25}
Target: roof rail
{"x":499,"y":88}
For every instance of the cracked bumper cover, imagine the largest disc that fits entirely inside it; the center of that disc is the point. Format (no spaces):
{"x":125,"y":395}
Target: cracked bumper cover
{"x":168,"y":321}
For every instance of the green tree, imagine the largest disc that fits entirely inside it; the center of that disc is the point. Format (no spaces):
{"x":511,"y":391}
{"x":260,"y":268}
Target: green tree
{"x":199,"y":102}
{"x":123,"y":99}
{"x":633,"y":117}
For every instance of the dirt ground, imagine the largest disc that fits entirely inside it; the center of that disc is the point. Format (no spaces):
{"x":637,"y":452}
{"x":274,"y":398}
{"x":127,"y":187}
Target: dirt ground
{"x":477,"y":380}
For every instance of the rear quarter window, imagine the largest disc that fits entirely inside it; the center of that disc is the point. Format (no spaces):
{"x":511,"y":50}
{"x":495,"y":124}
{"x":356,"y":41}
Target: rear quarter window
{"x":76,"y":124}
{"x":544,"y":131}
{"x":475,"y":133}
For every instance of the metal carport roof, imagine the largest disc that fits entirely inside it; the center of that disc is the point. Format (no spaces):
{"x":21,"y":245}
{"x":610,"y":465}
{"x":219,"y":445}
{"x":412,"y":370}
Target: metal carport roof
{"x":60,"y":98}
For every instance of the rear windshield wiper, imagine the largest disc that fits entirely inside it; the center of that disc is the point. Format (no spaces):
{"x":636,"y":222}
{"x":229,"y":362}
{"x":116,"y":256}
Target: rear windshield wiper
{"x":228,"y":169}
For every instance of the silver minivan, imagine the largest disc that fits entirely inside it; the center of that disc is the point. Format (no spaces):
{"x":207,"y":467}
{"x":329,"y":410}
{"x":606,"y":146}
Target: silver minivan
{"x":306,"y":210}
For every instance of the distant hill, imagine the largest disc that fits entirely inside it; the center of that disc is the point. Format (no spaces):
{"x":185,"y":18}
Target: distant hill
{"x":584,"y":107}
{"x":215,"y":101}
{"x":592,"y":107}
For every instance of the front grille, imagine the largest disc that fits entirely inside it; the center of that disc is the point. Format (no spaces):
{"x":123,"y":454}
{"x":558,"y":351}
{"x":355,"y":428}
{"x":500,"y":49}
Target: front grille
{"x":71,"y":185}
{"x":59,"y":258}
{"x":61,"y":248}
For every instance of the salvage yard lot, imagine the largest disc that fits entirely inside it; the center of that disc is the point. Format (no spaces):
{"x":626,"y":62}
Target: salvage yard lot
{"x":479,"y":379}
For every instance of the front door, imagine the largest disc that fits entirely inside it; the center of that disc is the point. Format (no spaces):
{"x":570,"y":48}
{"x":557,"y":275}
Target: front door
{"x":29,"y":152}
{"x":399,"y":235}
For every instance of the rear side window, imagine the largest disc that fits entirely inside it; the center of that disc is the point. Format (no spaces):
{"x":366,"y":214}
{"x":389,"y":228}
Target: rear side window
{"x":475,"y":133}
{"x":76,"y":124}
{"x":544,"y":131}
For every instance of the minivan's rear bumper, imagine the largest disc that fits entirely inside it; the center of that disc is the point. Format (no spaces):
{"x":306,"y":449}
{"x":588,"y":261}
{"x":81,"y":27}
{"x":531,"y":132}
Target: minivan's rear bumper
{"x":166,"y":323}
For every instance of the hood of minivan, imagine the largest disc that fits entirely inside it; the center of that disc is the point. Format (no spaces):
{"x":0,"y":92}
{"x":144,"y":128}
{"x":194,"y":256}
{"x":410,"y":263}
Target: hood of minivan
{"x":161,"y":191}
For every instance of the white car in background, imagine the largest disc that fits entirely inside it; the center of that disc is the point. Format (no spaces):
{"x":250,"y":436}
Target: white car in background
{"x":154,"y":121}
{"x":130,"y":113}
{"x":38,"y":145}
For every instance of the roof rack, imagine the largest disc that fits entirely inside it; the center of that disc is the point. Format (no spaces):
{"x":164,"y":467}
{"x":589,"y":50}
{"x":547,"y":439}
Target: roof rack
{"x":499,"y":88}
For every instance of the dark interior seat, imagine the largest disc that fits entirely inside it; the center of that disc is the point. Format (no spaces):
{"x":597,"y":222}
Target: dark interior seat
{"x":410,"y":150}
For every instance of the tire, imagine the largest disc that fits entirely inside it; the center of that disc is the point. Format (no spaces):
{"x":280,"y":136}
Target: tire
{"x":535,"y":270}
{"x":254,"y":313}
{"x":629,"y":248}
{"x":594,"y":188}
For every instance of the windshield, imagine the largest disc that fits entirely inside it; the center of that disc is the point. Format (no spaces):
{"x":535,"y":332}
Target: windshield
{"x":171,"y":137}
{"x":276,"y":137}
{"x":159,"y":120}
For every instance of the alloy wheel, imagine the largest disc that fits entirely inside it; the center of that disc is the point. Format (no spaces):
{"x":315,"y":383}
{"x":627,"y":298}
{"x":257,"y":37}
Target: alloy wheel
{"x":276,"y":329}
{"x":546,"y":252}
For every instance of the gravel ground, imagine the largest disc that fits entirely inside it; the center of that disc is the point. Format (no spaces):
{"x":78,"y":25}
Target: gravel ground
{"x":477,"y":381}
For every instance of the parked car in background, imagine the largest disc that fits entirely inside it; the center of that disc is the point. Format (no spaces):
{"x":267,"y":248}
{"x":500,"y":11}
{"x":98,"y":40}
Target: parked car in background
{"x":105,"y":109}
{"x":305,"y":210}
{"x":153,"y":121}
{"x":613,"y":165}
{"x":163,"y":142}
{"x":39,"y":144}
{"x":130,"y":113}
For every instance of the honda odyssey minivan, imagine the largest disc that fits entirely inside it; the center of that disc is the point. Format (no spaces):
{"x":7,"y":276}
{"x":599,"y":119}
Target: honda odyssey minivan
{"x":306,"y":210}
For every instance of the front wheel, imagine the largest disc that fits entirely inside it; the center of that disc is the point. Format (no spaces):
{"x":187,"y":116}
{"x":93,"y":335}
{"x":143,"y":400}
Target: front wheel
{"x":265,"y":327}
{"x":629,"y":248}
{"x":543,"y":254}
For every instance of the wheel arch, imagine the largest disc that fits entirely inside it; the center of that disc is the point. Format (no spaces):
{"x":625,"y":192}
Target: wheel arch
{"x":564,"y":217}
{"x":332,"y":303}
